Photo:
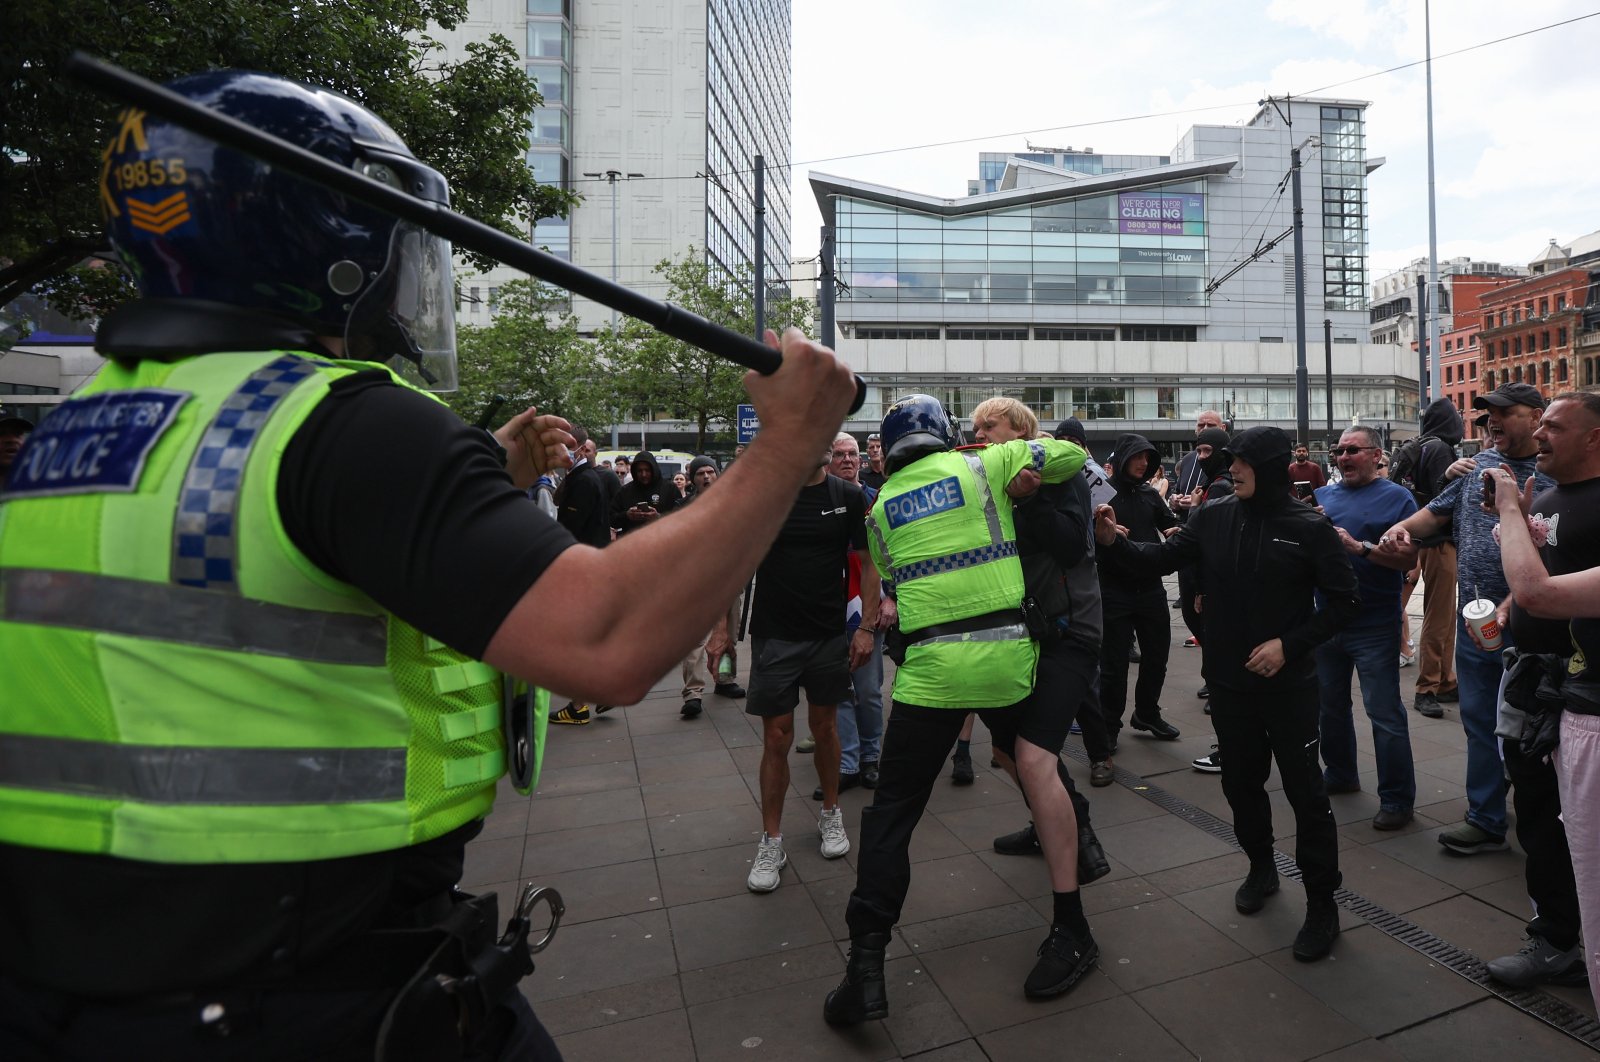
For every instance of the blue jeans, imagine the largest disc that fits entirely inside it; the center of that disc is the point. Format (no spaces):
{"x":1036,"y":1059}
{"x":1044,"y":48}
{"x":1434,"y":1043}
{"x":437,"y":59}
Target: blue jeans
{"x":860,"y":718}
{"x":1478,"y":679}
{"x":1374,"y":654}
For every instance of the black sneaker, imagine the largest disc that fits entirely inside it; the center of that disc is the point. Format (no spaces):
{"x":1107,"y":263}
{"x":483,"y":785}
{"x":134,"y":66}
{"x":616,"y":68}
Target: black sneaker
{"x":1024,"y":842}
{"x":1063,"y":960}
{"x":1203,"y":692}
{"x":602,"y":709}
{"x":1261,"y":882}
{"x":1453,"y":697}
{"x":1209,"y":764}
{"x":1315,"y":938}
{"x":846,"y":781}
{"x":1155,"y":726}
{"x":728,"y":689}
{"x":1540,"y":963}
{"x":869,"y":774}
{"x":691,"y":708}
{"x":572,"y":714}
{"x":961,"y":769}
{"x":1427,"y":704}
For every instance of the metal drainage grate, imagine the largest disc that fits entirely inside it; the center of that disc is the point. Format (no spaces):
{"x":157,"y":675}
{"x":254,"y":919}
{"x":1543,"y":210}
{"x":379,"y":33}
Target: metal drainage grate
{"x":1546,"y":1008}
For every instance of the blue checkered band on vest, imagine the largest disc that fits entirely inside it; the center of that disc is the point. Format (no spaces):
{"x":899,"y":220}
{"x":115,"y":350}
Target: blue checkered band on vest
{"x":203,"y":534}
{"x":1036,"y":450}
{"x":951,"y":562}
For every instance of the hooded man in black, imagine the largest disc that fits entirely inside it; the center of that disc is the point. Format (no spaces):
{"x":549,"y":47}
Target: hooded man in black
{"x":1420,"y":466}
{"x":1261,"y":556}
{"x":645,"y":498}
{"x":1134,"y":600}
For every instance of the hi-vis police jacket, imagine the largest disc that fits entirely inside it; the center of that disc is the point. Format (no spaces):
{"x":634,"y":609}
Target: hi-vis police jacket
{"x":182,"y":685}
{"x":942,"y":533}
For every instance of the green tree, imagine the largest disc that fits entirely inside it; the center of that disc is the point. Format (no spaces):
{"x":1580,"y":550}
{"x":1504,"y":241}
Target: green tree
{"x":658,"y":373}
{"x":532,"y":354}
{"x":467,"y":118}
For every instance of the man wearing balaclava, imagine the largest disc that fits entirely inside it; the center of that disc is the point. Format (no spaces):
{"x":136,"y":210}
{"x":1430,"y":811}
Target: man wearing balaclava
{"x":1261,"y":556}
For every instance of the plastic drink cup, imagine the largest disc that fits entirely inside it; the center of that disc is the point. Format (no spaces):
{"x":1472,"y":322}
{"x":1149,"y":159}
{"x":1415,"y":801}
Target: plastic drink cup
{"x":725,"y":667}
{"x":1481,"y":623}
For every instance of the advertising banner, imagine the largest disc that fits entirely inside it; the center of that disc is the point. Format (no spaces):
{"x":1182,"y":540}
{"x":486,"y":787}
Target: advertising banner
{"x":1161,"y":213}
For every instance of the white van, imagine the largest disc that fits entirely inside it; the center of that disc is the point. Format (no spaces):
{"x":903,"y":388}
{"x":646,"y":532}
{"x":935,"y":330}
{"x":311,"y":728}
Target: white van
{"x":670,"y":462}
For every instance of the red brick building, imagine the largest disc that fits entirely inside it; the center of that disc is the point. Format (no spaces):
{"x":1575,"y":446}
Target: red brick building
{"x":1459,"y":352}
{"x":1530,"y":331}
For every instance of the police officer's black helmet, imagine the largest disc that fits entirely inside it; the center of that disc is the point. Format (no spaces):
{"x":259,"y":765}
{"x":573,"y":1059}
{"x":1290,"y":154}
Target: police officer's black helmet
{"x":193,"y":220}
{"x":913,"y":427}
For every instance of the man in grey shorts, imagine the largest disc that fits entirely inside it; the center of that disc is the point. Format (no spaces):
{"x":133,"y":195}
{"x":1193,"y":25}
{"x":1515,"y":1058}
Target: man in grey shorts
{"x":798,"y":637}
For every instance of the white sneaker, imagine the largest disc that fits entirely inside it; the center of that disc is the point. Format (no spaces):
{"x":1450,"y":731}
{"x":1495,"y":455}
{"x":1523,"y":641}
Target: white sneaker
{"x":1408,"y":658}
{"x":770,"y":859}
{"x":834,"y":841}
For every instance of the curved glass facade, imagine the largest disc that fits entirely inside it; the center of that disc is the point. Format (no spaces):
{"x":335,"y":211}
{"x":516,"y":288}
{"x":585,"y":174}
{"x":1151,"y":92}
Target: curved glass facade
{"x":1143,"y":247}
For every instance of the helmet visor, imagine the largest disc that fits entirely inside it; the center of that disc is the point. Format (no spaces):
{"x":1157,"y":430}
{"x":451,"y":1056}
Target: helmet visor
{"x":407,"y":317}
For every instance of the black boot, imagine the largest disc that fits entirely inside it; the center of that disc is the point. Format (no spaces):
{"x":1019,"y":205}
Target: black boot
{"x":1315,"y":938}
{"x":1092,"y":862}
{"x":862,"y":995}
{"x":1261,"y":883}
{"x":1024,"y":842}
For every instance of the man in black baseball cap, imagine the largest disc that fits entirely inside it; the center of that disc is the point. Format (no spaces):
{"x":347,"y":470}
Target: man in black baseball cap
{"x":13,"y":430}
{"x":1510,"y":394}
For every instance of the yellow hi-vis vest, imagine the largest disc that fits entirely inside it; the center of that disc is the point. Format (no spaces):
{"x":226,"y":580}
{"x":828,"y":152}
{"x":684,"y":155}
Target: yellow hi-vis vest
{"x":181,"y":684}
{"x":941,"y":533}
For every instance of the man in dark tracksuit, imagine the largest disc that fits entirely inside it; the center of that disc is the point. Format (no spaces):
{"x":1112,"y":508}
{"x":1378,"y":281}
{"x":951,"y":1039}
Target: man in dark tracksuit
{"x":1134,"y":601}
{"x":1261,"y":554}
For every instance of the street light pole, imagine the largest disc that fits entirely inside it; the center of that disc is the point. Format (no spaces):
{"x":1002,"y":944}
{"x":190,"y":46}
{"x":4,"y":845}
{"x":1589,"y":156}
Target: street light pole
{"x":611,"y":177}
{"x":1302,"y":382}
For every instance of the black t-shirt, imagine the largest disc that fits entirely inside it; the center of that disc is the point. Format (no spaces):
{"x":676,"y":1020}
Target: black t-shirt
{"x":388,"y":490}
{"x":800,"y":585}
{"x":1570,"y":517}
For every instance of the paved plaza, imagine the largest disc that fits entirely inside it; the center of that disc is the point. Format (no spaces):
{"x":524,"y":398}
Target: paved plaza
{"x":647,"y":825}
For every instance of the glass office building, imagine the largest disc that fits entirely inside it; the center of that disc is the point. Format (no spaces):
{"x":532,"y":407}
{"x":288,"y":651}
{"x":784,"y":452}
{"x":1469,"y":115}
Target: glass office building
{"x":1145,"y":247}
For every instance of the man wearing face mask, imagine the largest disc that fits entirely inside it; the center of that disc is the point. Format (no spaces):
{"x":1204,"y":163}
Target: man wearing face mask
{"x":1261,"y":555}
{"x":1212,"y":480}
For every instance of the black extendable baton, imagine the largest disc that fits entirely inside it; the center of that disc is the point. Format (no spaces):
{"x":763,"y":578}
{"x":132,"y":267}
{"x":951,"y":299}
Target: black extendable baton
{"x":440,"y":220}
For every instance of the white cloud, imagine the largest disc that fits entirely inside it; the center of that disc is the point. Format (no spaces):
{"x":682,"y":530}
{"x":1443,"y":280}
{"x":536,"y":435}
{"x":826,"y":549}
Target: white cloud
{"x":1513,"y":164}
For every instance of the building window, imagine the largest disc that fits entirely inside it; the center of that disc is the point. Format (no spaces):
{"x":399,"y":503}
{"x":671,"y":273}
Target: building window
{"x":1561,"y":303}
{"x":1162,"y":333}
{"x":1561,"y":337}
{"x":924,"y":332}
{"x":1472,"y":340}
{"x":1076,"y":335}
{"x":477,"y":304}
{"x":494,"y":299}
{"x":1272,"y":339}
{"x":989,"y":332}
{"x":1516,"y":344}
{"x":1561,"y":370}
{"x":1100,"y":403}
{"x":1544,"y":340}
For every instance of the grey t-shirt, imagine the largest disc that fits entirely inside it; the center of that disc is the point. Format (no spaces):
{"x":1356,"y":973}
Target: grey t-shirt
{"x":1478,"y":570}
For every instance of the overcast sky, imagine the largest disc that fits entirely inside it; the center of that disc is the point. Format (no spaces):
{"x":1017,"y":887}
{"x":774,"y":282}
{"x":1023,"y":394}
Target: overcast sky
{"x":1516,"y":158}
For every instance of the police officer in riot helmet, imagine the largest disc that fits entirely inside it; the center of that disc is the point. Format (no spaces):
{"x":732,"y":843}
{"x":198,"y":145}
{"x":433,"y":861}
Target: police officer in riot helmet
{"x":942,"y":532}
{"x":263,"y":597}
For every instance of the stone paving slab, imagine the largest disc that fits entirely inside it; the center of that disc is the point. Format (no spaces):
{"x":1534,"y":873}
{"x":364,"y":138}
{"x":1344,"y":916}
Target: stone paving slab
{"x":647,"y":823}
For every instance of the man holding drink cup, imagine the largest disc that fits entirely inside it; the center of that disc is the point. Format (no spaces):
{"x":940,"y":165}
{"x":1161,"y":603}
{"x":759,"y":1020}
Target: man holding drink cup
{"x":1514,"y":410}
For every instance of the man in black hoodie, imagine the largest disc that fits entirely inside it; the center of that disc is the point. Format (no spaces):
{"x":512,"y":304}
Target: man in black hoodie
{"x":645,"y":498}
{"x":1135,"y":601}
{"x":1420,"y":467}
{"x":1261,"y":556}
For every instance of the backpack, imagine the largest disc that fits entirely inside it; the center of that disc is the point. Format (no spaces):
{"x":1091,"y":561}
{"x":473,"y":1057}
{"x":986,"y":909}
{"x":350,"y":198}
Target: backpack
{"x":1405,"y":468}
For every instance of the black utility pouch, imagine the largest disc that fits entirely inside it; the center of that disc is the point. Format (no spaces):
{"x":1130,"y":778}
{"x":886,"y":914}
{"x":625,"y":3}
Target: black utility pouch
{"x":1040,"y":629}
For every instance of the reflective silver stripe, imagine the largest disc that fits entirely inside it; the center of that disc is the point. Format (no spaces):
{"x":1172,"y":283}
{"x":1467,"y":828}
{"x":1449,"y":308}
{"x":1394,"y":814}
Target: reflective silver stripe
{"x":157,"y":774}
{"x":883,"y":546}
{"x":1011,"y":632}
{"x":166,"y":612}
{"x":996,"y":536}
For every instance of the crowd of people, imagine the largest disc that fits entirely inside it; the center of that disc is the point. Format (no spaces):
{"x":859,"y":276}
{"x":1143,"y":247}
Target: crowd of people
{"x":254,"y":513}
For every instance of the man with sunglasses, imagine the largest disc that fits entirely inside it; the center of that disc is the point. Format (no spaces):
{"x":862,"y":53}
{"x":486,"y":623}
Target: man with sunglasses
{"x":1362,"y":506}
{"x":1514,"y":410}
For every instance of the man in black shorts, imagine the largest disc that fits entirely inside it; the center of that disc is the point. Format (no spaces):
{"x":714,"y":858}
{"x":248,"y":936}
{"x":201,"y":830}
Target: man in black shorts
{"x":798,"y":637}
